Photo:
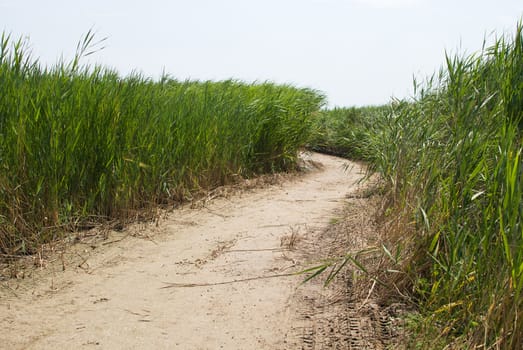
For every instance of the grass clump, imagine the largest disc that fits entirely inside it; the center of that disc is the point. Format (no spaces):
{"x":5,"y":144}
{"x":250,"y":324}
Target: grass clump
{"x":81,"y":143}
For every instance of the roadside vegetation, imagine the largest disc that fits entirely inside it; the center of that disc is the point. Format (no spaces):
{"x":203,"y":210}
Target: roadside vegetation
{"x":82,"y":144}
{"x":451,"y":164}
{"x":347,"y":132}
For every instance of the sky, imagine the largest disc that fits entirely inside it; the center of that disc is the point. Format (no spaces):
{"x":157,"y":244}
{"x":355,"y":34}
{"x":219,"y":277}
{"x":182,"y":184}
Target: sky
{"x":357,"y":52}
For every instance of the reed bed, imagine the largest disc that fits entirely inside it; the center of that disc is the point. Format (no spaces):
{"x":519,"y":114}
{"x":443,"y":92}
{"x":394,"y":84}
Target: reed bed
{"x":451,"y":164}
{"x":81,"y":143}
{"x":347,"y":132}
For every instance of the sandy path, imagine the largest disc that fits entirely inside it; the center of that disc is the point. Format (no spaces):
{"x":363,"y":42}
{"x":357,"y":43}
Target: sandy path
{"x":131,"y":294}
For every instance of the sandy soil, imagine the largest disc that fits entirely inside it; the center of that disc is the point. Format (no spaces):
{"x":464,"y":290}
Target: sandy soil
{"x":216,"y":277}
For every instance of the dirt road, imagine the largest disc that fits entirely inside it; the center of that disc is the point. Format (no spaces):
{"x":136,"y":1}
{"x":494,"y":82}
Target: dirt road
{"x":216,"y":277}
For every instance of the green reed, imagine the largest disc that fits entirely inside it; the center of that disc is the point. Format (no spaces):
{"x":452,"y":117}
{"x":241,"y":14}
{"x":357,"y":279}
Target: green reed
{"x":451,"y":162}
{"x":82,"y":143}
{"x":347,"y":132}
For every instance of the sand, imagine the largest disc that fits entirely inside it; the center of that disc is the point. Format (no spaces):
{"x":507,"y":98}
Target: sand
{"x":218,"y":276}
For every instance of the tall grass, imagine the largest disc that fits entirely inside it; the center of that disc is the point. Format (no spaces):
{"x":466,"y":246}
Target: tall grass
{"x":452,"y":160}
{"x":347,"y":132}
{"x":81,"y":143}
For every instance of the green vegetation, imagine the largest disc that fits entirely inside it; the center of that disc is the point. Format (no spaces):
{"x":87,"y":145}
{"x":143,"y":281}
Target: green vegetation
{"x":347,"y":132}
{"x":80,"y":143}
{"x":451,"y":161}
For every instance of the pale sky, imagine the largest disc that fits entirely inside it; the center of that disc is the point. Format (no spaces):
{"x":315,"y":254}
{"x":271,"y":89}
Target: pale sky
{"x":357,"y":52}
